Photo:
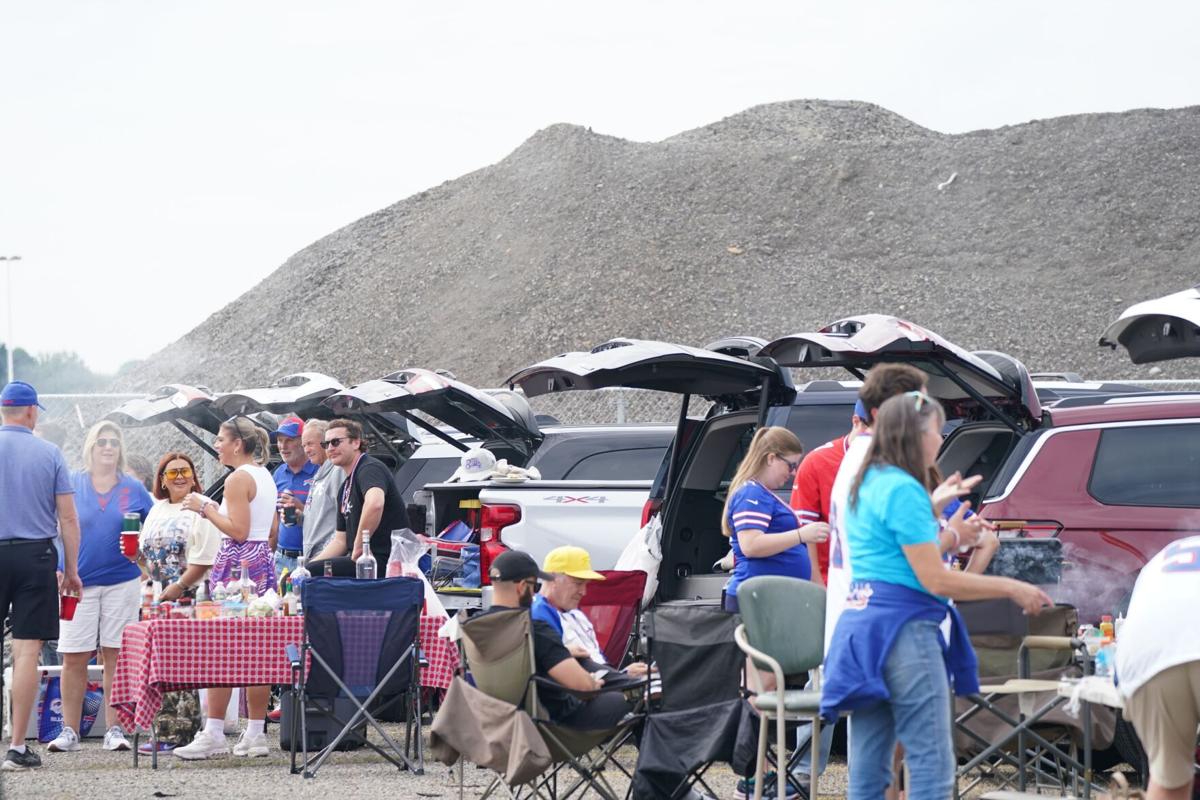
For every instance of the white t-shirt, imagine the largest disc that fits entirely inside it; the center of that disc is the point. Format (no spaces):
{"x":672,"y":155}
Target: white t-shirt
{"x":838,"y":579}
{"x":1158,"y":633}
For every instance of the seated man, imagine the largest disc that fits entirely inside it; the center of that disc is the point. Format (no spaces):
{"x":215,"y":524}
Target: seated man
{"x":514,"y":577}
{"x":558,"y":605}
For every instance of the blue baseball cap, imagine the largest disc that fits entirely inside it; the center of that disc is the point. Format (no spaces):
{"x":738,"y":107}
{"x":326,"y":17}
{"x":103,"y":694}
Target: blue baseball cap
{"x":291,"y":426}
{"x":19,"y":393}
{"x":860,"y":411}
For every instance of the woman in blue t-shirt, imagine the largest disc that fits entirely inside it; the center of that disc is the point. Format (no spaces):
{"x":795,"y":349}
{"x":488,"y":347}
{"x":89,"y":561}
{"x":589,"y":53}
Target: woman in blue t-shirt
{"x":887,"y":661}
{"x":766,"y":535}
{"x":104,"y":494}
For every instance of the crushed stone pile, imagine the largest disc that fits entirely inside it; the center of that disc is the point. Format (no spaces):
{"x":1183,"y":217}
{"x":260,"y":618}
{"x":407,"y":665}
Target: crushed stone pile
{"x":1027,"y":239}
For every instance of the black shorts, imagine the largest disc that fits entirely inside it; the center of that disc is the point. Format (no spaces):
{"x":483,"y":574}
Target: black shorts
{"x":29,"y":585}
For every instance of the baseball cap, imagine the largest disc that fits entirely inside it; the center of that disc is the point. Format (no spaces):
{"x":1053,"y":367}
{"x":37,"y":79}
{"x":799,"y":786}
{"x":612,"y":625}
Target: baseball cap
{"x":572,"y":561}
{"x":513,"y":565}
{"x":290,"y":426}
{"x":474,"y":465}
{"x":860,"y":410}
{"x":19,"y":393}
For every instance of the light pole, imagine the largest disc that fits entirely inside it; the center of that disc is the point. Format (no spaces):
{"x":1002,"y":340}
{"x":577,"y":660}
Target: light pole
{"x":8,"y":342}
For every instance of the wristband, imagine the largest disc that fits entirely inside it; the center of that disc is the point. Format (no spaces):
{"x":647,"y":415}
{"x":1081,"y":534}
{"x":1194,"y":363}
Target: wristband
{"x":957,"y":539}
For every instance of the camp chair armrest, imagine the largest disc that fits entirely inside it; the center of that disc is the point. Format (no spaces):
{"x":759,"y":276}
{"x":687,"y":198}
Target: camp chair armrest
{"x":293,"y":655}
{"x":551,"y":683}
{"x":739,"y":636}
{"x":1050,"y":642}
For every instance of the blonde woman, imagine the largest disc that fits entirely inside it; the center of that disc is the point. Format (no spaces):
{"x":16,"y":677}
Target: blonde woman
{"x":766,"y":534}
{"x":247,"y":520}
{"x":104,"y":494}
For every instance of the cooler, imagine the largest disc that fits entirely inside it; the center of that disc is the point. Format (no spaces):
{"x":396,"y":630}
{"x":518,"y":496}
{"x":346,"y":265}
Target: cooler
{"x":95,"y":674}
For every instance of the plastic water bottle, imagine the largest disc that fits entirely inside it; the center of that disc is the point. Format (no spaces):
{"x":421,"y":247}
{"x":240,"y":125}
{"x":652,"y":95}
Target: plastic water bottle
{"x":298,"y":576}
{"x":366,"y":568}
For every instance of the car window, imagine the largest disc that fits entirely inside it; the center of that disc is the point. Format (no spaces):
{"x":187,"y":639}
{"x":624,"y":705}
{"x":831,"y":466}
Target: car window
{"x":1151,"y":465}
{"x":635,"y":464}
{"x":417,"y":472}
{"x":814,"y":425}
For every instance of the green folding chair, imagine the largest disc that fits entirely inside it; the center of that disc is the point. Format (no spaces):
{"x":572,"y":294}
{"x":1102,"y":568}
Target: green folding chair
{"x":783,"y":631}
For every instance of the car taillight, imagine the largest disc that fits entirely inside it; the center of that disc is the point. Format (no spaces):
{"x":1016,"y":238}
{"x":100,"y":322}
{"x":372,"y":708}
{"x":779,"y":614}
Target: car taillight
{"x":1030,"y":528}
{"x":652,"y":507}
{"x":493,"y":518}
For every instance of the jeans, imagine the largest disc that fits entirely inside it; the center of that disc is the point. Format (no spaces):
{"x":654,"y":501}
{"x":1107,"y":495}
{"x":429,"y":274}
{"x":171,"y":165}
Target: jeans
{"x":803,"y":734}
{"x":918,"y":713}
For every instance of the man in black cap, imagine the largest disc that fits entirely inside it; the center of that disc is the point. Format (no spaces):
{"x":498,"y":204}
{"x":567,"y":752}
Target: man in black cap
{"x":36,"y":503}
{"x":515,"y":577}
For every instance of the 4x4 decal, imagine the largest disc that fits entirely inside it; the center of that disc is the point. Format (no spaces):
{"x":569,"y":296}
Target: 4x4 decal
{"x":565,"y":499}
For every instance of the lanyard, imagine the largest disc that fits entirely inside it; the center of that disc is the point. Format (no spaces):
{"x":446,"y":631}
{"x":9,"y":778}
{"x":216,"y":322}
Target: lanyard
{"x":348,"y":486}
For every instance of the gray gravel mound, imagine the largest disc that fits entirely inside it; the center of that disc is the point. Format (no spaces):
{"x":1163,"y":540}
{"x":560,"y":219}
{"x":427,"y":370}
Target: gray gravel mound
{"x":1027,"y":239}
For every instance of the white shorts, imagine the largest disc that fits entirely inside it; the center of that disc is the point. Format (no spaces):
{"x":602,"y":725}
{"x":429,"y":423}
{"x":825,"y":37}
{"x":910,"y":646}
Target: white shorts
{"x":102,"y":614}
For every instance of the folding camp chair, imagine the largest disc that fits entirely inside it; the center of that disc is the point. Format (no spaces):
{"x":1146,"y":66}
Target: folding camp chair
{"x":783,"y":630}
{"x":498,"y":651}
{"x":614,"y":606}
{"x":449,"y":551}
{"x":362,"y":638}
{"x":1012,"y":729}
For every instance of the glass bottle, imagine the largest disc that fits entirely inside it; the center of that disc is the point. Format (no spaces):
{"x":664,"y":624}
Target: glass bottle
{"x":366,"y":568}
{"x":246,"y":586}
{"x":297,"y":578}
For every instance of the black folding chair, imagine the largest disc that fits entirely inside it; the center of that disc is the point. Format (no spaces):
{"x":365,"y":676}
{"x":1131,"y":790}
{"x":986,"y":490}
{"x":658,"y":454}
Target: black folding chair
{"x":362,"y":639}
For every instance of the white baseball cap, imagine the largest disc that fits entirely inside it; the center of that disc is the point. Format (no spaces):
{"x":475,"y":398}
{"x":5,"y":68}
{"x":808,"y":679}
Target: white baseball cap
{"x":475,"y":465}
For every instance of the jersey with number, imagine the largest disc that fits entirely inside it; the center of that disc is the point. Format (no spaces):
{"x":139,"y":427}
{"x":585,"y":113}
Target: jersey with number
{"x":1159,"y":632}
{"x":838,"y":579}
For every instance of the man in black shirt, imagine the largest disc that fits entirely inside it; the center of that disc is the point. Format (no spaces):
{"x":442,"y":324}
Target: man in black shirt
{"x":514,"y":577}
{"x":368,"y":500}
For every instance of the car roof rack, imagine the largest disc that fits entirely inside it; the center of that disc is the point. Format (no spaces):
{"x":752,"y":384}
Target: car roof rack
{"x":1118,"y":397}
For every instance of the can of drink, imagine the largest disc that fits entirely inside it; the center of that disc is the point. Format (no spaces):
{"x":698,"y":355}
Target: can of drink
{"x":289,"y":515}
{"x":131,"y":527}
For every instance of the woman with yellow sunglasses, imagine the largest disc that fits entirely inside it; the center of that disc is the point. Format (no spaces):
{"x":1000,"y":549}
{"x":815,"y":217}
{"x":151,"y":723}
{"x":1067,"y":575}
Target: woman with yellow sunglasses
{"x":177,"y":546}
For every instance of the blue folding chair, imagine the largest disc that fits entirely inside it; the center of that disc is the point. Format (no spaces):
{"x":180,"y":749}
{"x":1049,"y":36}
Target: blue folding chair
{"x":362,"y":638}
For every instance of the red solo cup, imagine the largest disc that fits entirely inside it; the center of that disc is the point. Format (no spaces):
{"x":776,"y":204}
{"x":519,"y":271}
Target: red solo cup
{"x":129,"y":543}
{"x":66,"y":607}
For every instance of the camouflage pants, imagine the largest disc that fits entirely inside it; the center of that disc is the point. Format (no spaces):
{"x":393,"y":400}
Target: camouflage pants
{"x":179,"y":721}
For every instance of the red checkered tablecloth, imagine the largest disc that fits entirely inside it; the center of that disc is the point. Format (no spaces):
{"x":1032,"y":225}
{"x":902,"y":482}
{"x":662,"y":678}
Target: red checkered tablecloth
{"x":166,"y":655}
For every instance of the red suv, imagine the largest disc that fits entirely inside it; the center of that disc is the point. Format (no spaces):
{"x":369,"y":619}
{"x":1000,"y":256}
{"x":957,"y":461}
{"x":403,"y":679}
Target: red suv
{"x":1115,"y":480}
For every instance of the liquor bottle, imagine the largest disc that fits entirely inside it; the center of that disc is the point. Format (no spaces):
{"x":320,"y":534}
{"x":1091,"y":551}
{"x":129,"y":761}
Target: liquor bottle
{"x":297,"y":578}
{"x":366,"y":568}
{"x":246,"y":586}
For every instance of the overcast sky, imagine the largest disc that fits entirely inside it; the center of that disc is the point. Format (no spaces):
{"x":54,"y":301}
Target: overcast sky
{"x":161,"y":157}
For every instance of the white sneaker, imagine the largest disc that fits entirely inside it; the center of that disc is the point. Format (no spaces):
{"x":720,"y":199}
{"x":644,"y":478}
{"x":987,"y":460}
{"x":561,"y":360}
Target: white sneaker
{"x":205,"y":745}
{"x":65,"y":742}
{"x":114,"y":739}
{"x":253,"y":745}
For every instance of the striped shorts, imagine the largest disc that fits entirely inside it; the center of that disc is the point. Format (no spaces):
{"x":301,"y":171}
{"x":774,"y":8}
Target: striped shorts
{"x":258,"y":556}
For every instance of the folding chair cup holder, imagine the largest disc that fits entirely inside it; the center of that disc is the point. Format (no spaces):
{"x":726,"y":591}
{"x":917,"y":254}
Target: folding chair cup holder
{"x":362,"y":639}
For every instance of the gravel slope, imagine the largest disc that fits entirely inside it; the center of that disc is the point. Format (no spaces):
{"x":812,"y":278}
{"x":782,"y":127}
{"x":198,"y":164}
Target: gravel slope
{"x":1027,"y":239}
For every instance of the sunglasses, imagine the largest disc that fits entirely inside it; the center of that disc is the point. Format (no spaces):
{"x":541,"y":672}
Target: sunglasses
{"x":334,"y":442}
{"x":792,"y":465}
{"x":919,"y":398}
{"x":108,"y":443}
{"x":177,"y":472}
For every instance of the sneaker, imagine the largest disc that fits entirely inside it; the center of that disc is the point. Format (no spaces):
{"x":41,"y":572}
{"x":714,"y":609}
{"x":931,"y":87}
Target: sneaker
{"x":205,"y":745}
{"x":114,"y":739}
{"x":252,"y":745}
{"x":15,"y":762}
{"x":164,"y":748}
{"x":745,"y":789}
{"x":275,"y":716}
{"x":67,"y":741}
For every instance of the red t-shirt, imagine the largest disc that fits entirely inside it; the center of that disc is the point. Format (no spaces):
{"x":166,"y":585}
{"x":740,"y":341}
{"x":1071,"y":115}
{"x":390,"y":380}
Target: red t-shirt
{"x":813,"y":487}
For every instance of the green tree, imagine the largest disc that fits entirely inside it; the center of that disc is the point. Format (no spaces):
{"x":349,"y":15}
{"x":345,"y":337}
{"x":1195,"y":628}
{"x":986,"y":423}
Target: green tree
{"x":62,"y":372}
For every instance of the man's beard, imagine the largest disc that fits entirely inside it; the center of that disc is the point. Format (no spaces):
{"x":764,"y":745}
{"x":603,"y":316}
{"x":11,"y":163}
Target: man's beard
{"x":526,"y":597}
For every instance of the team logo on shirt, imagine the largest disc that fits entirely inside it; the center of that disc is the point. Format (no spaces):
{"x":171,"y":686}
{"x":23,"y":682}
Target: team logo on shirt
{"x":859,"y":597}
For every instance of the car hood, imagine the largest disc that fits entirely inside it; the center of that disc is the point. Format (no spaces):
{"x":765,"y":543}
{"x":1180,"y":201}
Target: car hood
{"x":658,"y":366}
{"x":1158,"y":330}
{"x":961,"y":380}
{"x":175,"y":402}
{"x":490,"y":416}
{"x":299,"y":394}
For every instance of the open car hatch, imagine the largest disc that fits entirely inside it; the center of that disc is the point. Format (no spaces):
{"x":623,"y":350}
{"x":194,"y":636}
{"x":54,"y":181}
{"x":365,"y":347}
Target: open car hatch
{"x":658,"y":366}
{"x":301,"y":394}
{"x":1158,"y":330}
{"x":173,"y":404}
{"x":500,"y":418}
{"x":970,"y":385}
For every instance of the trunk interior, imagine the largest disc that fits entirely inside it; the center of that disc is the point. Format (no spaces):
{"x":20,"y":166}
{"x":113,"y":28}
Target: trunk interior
{"x":977,"y":448}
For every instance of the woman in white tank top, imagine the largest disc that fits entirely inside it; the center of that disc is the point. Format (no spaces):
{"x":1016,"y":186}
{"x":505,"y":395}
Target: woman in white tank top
{"x":247,"y":521}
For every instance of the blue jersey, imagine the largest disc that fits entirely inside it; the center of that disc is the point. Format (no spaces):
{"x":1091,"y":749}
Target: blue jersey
{"x":100,"y":516}
{"x":756,"y":508}
{"x":291,"y":537}
{"x":541,"y":609}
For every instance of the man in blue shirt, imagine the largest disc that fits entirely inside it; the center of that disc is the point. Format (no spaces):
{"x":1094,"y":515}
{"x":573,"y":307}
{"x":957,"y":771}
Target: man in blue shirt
{"x":292,"y":478}
{"x":36,"y":503}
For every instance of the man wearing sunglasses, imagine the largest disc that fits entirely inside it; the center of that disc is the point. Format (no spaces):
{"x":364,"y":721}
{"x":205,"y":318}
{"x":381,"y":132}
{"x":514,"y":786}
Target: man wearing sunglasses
{"x":368,"y":499}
